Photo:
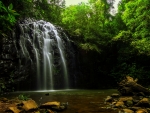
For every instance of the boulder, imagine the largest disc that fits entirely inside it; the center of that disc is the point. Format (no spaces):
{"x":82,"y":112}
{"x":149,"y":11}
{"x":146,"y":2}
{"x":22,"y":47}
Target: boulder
{"x":115,"y":95}
{"x":3,"y":99}
{"x":134,"y":108}
{"x":124,"y":99}
{"x":119,"y":104}
{"x":50,"y":104}
{"x":108,"y":99}
{"x":14,"y":109}
{"x":141,"y":111}
{"x":29,"y":105}
{"x":143,"y":103}
{"x":126,"y":111}
{"x":56,"y":106}
{"x":134,"y":97}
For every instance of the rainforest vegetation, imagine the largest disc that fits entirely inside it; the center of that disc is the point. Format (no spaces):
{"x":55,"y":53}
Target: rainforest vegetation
{"x":110,"y":44}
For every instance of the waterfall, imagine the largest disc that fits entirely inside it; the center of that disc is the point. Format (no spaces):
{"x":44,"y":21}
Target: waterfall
{"x":42,"y":45}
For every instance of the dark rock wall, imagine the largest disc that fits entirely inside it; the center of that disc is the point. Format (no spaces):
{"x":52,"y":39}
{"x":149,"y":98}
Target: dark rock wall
{"x":19,"y":71}
{"x":11,"y":72}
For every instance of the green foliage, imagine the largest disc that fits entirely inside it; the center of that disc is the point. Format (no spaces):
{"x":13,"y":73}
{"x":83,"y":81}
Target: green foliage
{"x":2,"y":85}
{"x":123,"y":69}
{"x":23,"y":97}
{"x":7,"y":18}
{"x":120,"y":39}
{"x":132,"y":42}
{"x":117,"y":44}
{"x":89,"y":24}
{"x":7,"y":82}
{"x":75,"y":17}
{"x":50,"y":12}
{"x":136,"y":17}
{"x":89,"y":46}
{"x":142,"y":45}
{"x":38,"y":9}
{"x":124,"y":36}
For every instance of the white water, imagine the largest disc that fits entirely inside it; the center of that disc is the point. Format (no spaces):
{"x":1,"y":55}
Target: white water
{"x":60,"y":46}
{"x":42,"y":36}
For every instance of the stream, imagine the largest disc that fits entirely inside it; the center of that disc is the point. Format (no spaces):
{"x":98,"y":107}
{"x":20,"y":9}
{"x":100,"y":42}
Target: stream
{"x":79,"y":101}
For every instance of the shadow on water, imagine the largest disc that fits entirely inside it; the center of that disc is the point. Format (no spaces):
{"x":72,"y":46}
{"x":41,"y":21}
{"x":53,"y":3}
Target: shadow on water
{"x":79,"y":101}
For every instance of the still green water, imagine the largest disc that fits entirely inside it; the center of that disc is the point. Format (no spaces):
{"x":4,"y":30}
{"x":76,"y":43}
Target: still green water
{"x":79,"y":101}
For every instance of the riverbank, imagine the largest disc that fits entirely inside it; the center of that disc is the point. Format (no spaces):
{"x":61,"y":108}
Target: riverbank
{"x":79,"y":101}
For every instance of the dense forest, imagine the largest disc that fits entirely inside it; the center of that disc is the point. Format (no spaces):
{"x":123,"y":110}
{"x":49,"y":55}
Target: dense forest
{"x":110,"y":45}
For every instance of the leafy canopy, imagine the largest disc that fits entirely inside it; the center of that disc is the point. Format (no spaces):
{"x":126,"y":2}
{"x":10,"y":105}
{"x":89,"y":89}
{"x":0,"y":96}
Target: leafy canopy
{"x":88,"y":23}
{"x":7,"y":18}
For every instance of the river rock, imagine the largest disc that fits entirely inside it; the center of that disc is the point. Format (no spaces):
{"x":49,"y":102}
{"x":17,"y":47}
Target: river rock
{"x":45,"y":111}
{"x":51,"y":105}
{"x":124,"y":99}
{"x":3,"y":99}
{"x":141,"y":111}
{"x":115,"y":95}
{"x":108,"y":99}
{"x":29,"y":105}
{"x":134,"y":108}
{"x":56,"y":106}
{"x":50,"y":111}
{"x":55,"y":103}
{"x":126,"y":111}
{"x":14,"y":109}
{"x":143,"y":103}
{"x":119,"y":104}
{"x":137,"y":102}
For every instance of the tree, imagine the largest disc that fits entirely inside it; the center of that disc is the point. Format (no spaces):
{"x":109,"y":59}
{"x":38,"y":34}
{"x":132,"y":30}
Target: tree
{"x":7,"y":18}
{"x":136,"y":17}
{"x":132,"y":41}
{"x":39,"y":9}
{"x":89,"y":23}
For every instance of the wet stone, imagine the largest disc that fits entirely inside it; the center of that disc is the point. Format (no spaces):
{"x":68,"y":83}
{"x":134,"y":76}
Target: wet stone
{"x":29,"y":105}
{"x":141,"y":111}
{"x":14,"y":109}
{"x":115,"y":95}
{"x":108,"y":99}
{"x":119,"y":104}
{"x":126,"y":111}
{"x":143,"y":103}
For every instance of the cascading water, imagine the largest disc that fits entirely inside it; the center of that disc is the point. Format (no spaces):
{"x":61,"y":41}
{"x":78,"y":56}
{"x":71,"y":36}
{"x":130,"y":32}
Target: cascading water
{"x":41,"y":44}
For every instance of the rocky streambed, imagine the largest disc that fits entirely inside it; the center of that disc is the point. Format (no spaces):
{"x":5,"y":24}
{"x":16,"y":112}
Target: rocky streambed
{"x":29,"y":106}
{"x":65,"y":101}
{"x":130,"y":97}
{"x":129,"y":104}
{"x":133,"y":97}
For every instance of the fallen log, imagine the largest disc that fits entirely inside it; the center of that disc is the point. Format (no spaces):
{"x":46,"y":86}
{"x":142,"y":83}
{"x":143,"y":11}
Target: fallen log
{"x":129,"y":86}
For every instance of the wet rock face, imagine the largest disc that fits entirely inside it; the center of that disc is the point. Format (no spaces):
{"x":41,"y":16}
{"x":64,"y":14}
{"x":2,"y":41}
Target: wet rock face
{"x":9,"y":64}
{"x":18,"y":59}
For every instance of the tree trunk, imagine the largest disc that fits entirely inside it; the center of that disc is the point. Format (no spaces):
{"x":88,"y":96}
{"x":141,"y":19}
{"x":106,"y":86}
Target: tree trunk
{"x":129,"y":86}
